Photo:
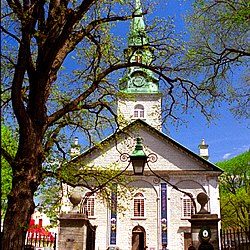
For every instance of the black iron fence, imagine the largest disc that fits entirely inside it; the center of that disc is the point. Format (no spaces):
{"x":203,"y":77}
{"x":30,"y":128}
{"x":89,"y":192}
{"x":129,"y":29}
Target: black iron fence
{"x":235,"y":239}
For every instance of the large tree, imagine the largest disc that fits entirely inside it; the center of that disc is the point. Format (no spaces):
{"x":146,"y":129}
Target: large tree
{"x":219,"y":50}
{"x":61,"y":61}
{"x":235,"y":191}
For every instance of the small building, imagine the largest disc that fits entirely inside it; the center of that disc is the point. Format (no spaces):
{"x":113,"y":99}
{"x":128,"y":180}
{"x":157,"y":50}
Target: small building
{"x":38,"y":236}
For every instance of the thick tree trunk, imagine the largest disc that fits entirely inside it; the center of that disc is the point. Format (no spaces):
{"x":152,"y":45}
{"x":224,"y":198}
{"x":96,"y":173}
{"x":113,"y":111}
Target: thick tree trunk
{"x":20,"y":208}
{"x":27,"y":171}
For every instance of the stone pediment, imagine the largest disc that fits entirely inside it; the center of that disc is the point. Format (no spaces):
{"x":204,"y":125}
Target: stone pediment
{"x":172,"y":156}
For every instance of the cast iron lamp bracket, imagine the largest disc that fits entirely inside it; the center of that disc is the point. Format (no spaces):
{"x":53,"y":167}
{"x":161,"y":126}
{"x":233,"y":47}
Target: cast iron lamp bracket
{"x":138,"y":158}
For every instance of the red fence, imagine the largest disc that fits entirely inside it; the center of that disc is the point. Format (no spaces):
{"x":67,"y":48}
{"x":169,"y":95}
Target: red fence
{"x":235,"y":239}
{"x":36,"y":240}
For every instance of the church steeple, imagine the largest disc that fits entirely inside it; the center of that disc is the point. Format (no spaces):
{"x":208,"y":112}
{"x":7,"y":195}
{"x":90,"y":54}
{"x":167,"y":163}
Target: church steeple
{"x":137,"y":35}
{"x":138,"y":79}
{"x":139,"y":96}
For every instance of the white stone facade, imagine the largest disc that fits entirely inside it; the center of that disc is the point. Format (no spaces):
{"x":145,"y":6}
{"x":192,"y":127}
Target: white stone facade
{"x":152,"y":108}
{"x":177,"y":165}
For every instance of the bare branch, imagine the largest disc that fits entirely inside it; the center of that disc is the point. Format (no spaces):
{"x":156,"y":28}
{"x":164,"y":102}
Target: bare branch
{"x":10,"y":34}
{"x":9,"y":59}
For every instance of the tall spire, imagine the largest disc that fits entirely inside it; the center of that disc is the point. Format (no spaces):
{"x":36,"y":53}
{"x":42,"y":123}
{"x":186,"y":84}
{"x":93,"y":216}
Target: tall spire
{"x":137,"y":33}
{"x":139,"y":96}
{"x":138,"y":79}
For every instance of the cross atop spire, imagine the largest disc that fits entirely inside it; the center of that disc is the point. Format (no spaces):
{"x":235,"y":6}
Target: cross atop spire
{"x":137,"y":33}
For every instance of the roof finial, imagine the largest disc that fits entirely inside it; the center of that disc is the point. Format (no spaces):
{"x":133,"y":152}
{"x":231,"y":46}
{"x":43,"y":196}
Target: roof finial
{"x":75,"y":148}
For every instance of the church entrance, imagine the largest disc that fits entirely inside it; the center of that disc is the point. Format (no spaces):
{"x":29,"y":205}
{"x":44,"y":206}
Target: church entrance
{"x":138,"y":238}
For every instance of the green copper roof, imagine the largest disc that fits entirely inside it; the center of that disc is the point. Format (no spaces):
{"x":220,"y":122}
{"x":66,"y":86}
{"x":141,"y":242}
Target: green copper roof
{"x":138,"y":79}
{"x":137,"y":34}
{"x":138,"y":152}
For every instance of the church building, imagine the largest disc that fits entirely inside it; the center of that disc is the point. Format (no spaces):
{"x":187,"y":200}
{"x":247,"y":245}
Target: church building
{"x":156,"y":213}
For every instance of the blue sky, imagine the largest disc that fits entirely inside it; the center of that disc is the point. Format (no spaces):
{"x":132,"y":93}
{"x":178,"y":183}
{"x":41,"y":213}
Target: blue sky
{"x":226,"y":136}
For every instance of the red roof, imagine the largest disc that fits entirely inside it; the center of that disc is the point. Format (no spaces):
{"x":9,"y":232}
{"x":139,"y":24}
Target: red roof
{"x":38,"y":232}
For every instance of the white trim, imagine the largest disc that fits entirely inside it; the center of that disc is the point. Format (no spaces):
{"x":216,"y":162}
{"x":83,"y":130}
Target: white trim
{"x":139,"y":111}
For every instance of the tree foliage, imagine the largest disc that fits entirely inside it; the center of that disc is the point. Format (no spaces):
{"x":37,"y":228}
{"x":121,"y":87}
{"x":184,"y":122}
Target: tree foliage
{"x":235,"y":191}
{"x":9,"y":143}
{"x":219,"y":50}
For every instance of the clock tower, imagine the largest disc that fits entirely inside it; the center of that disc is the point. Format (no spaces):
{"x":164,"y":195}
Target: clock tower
{"x":139,"y":96}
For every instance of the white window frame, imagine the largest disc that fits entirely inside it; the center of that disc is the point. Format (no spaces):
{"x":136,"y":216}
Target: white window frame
{"x":138,"y":58}
{"x":139,"y":204}
{"x":139,"y":112}
{"x":89,"y":207}
{"x":187,"y":207}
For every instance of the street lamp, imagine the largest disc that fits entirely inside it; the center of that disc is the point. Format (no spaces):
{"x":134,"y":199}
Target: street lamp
{"x":138,"y":158}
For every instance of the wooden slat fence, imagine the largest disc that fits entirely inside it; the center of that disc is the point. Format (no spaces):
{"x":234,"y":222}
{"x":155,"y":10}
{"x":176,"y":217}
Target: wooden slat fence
{"x":235,"y":239}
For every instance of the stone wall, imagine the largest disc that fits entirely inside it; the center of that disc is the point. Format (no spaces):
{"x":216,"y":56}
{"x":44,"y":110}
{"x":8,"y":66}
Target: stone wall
{"x":151,"y":222}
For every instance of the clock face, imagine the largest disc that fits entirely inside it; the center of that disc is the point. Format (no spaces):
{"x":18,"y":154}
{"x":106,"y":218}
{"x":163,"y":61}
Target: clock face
{"x":138,"y":81}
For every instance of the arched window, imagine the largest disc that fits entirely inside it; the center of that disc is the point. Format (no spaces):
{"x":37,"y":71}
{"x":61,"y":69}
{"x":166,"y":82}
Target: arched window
{"x":89,"y":207}
{"x":187,"y":207}
{"x":138,"y":57}
{"x":139,"y":202}
{"x":139,"y":111}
